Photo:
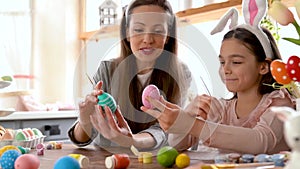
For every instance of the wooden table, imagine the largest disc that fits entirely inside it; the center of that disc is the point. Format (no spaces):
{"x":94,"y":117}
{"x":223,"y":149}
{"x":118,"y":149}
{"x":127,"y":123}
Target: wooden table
{"x":97,"y":157}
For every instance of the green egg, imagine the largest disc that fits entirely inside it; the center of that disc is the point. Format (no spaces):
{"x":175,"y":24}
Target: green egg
{"x":105,"y":99}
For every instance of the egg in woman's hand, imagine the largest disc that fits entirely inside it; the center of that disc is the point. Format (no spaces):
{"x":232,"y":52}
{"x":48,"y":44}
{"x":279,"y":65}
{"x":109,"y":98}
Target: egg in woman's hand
{"x":27,"y":161}
{"x":151,"y":91}
{"x":105,"y":99}
{"x":66,"y":162}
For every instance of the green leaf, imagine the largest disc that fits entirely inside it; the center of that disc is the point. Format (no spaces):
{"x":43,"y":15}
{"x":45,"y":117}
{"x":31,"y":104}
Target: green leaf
{"x":7,"y":78}
{"x":295,"y":41}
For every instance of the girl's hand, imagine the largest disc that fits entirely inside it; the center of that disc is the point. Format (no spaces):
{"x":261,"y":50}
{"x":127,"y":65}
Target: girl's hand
{"x":116,"y":130}
{"x":199,"y":106}
{"x":203,"y":106}
{"x":87,"y":107}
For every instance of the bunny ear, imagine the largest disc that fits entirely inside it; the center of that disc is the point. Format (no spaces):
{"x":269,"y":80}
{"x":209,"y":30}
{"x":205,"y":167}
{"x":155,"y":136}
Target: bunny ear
{"x":254,"y":11}
{"x":231,"y":14}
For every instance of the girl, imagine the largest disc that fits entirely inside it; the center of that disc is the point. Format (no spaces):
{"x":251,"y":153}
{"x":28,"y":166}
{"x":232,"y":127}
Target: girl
{"x":243,"y":123}
{"x":148,"y":56}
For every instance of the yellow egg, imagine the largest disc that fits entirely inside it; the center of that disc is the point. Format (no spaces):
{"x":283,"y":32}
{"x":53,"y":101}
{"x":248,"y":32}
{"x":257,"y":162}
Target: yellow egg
{"x":182,"y":160}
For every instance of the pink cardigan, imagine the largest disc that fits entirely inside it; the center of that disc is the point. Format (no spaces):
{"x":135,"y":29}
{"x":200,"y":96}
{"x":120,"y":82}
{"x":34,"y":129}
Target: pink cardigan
{"x":260,"y":132}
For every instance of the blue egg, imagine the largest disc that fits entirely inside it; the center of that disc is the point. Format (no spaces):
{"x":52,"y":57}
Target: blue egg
{"x":106,"y":99}
{"x":66,"y":162}
{"x":8,"y":159}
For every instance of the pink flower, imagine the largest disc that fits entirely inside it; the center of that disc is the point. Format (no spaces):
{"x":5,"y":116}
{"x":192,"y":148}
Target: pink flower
{"x":281,"y":13}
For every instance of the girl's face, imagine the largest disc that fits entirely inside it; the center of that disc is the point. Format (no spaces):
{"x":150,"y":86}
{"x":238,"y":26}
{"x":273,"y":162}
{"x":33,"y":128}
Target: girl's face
{"x":239,"y":69}
{"x":147,"y":32}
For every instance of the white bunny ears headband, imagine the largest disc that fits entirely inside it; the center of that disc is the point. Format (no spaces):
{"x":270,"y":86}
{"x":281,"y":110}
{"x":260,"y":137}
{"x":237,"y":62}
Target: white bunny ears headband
{"x":253,"y":11}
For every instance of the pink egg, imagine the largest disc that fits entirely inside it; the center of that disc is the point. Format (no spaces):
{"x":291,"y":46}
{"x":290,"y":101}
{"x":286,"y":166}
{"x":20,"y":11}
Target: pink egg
{"x":151,"y":91}
{"x":26,"y":134}
{"x":30,"y":132}
{"x":27,"y":161}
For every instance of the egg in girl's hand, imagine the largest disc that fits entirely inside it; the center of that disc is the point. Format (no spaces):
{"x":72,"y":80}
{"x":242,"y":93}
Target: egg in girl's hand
{"x":66,"y":162}
{"x":27,"y":161}
{"x":105,"y":99}
{"x":151,"y":91}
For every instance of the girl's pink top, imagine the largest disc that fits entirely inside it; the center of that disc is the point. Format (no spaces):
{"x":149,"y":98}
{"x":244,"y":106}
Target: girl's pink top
{"x":260,"y":132}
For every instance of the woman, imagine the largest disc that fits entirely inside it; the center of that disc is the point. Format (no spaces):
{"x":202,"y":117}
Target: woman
{"x":148,"y":56}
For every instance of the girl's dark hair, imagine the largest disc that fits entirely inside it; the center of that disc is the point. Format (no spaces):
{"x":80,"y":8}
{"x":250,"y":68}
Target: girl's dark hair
{"x":167,"y":74}
{"x":254,"y":45}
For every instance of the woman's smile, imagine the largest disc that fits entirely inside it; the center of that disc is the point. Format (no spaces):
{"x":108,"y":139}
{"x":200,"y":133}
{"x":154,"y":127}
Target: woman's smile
{"x":147,"y":51}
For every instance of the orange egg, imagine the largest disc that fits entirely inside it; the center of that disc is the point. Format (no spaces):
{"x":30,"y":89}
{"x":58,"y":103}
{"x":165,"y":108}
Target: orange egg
{"x":9,"y":135}
{"x":279,"y":72}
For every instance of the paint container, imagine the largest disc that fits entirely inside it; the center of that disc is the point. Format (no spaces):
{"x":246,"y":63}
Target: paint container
{"x":117,"y":161}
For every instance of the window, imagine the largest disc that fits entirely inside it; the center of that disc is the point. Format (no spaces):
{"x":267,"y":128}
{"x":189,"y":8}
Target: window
{"x":105,"y":11}
{"x":15,"y":41}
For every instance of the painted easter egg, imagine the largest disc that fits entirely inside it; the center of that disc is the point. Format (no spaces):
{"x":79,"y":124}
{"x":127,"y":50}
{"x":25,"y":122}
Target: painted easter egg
{"x":293,"y":68}
{"x":105,"y":99}
{"x":66,"y":162}
{"x":279,"y":72}
{"x":166,"y":156}
{"x":8,"y":159}
{"x":37,"y":132}
{"x":20,"y":136}
{"x":151,"y":91}
{"x":27,"y":161}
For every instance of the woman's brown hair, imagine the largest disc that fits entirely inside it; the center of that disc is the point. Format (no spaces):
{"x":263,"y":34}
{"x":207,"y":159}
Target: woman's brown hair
{"x":167,"y":74}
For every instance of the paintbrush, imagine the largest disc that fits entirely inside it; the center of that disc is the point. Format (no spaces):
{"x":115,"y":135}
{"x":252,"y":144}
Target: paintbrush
{"x":206,"y":88}
{"x":90,"y":79}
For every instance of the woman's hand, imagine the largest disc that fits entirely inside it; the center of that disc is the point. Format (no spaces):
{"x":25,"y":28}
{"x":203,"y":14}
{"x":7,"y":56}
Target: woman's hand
{"x":116,"y":130}
{"x":166,"y":113}
{"x":171,"y":117}
{"x":87,"y":107}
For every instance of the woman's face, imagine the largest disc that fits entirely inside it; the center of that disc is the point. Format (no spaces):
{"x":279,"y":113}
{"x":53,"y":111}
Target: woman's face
{"x":147,"y":32}
{"x":239,"y":69}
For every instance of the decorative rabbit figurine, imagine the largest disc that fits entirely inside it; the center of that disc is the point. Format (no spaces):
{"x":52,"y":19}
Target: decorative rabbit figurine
{"x":291,"y":119}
